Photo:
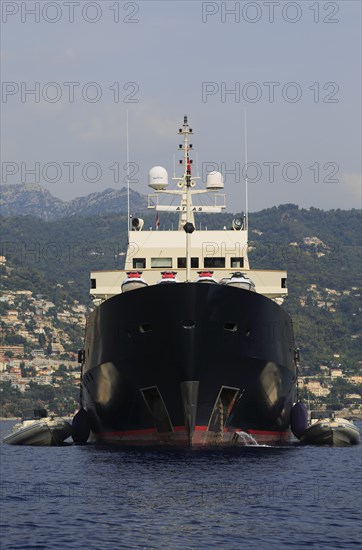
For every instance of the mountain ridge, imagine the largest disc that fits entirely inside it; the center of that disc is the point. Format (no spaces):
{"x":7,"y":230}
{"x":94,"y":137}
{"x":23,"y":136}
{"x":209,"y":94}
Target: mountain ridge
{"x":35,"y":200}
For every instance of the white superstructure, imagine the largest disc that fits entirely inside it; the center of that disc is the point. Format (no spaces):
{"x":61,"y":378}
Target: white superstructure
{"x":187,"y":250}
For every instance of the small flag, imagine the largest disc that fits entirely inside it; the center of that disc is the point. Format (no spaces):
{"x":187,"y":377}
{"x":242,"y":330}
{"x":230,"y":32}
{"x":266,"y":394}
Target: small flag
{"x":188,"y":165}
{"x":157,"y":221}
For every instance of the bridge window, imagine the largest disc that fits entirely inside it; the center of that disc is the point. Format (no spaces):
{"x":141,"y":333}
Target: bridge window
{"x":139,"y":263}
{"x":214,"y":262}
{"x":93,"y":283}
{"x":237,"y":262}
{"x":161,"y":262}
{"x":284,"y":282}
{"x":181,"y":263}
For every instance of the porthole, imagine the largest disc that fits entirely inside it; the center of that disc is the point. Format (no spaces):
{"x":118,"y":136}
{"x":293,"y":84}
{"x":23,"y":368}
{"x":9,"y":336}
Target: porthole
{"x":146,"y":327}
{"x":232,"y":327}
{"x":188,"y":324}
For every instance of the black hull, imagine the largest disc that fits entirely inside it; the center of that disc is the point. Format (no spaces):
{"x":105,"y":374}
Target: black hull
{"x":189,"y":364}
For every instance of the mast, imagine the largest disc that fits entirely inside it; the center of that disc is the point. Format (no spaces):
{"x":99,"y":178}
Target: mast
{"x":246,"y":174}
{"x":185,"y":182}
{"x":187,"y":179}
{"x":127,"y":161}
{"x":185,"y":190}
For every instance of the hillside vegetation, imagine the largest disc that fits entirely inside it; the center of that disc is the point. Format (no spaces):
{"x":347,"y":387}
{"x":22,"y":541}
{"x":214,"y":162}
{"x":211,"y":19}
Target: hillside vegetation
{"x":318,"y":248}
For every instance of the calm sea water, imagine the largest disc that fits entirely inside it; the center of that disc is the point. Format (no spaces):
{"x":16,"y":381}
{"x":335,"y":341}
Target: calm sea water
{"x":101,"y":498}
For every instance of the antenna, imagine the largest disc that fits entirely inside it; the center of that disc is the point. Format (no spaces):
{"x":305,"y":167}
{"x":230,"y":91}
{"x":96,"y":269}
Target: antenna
{"x":127,"y":164}
{"x":246,"y":173}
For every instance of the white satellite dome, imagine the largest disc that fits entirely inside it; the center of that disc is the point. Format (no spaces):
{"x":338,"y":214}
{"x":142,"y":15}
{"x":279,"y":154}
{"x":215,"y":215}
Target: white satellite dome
{"x":158,"y":178}
{"x":214,"y":180}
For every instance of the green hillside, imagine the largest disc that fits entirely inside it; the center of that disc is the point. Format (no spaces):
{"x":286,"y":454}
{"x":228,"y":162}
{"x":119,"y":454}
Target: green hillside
{"x":321,"y":248}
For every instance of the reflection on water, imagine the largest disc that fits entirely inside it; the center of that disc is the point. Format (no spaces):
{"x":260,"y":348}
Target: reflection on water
{"x":273,"y":498}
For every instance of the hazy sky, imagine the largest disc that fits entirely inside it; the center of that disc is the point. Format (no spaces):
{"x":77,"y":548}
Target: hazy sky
{"x":294,"y":67}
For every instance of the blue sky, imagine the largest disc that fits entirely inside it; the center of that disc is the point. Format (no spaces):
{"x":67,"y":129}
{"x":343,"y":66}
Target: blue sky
{"x":162,"y":60}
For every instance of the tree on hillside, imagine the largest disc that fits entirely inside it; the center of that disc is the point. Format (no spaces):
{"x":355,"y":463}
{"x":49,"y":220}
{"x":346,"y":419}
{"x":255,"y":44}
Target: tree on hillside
{"x":42,"y":340}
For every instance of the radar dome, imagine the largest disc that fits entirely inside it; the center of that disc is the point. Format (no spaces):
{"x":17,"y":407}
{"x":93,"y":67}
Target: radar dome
{"x":215,"y":181}
{"x":158,"y":178}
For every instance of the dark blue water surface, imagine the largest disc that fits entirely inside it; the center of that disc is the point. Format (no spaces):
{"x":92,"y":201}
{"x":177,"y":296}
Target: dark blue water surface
{"x":104,"y":498}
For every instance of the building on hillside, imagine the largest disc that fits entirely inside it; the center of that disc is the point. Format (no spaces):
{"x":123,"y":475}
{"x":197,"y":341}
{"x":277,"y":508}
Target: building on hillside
{"x":26,"y":293}
{"x":324,"y":369}
{"x":12,"y":314}
{"x":21,"y":385}
{"x":39,"y":352}
{"x":43,"y":379}
{"x":337,"y":373}
{"x":317,"y":389}
{"x":4,"y":363}
{"x":353,"y":397}
{"x":16,"y":349}
{"x":355,"y":380}
{"x":57,"y":347}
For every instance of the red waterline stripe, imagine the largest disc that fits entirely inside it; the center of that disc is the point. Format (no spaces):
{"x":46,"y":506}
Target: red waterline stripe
{"x":182,"y":428}
{"x":128,"y":432}
{"x":263,"y":432}
{"x":148,"y":431}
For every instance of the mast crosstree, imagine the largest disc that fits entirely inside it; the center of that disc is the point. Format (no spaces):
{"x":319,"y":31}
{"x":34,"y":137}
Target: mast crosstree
{"x":186,"y":185}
